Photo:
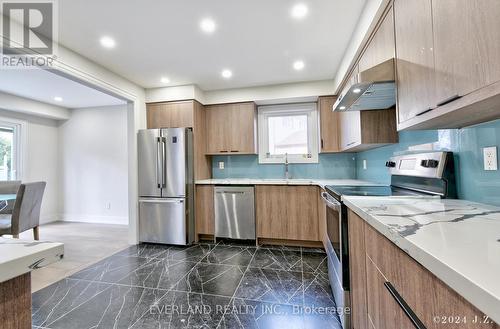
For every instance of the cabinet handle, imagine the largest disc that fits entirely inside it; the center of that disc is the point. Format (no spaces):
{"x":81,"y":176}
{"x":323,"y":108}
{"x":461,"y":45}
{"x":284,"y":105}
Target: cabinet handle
{"x":448,"y":100}
{"x":222,"y":151}
{"x":234,"y":151}
{"x":424,"y":111}
{"x":322,"y":144}
{"x":404,"y":306}
{"x":351,"y":143}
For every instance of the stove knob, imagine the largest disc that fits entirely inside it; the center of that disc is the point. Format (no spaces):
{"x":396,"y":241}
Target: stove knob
{"x":432,"y":163}
{"x":390,"y":164}
{"x":424,"y":163}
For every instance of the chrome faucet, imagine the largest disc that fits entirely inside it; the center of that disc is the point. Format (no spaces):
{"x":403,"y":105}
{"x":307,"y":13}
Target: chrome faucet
{"x":287,"y":173}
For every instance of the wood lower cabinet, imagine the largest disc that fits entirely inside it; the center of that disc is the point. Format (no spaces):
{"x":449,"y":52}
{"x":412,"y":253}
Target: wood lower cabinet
{"x":322,"y":209}
{"x":287,"y":212}
{"x":426,"y":296}
{"x":231,"y":128}
{"x":204,"y":210}
{"x":329,"y":125}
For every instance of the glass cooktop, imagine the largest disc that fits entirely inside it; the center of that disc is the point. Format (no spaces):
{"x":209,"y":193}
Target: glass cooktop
{"x":338,"y":191}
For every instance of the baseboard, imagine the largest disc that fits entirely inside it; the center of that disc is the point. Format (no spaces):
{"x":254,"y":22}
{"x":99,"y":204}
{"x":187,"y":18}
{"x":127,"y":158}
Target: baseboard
{"x":45,"y":219}
{"x":117,"y":220}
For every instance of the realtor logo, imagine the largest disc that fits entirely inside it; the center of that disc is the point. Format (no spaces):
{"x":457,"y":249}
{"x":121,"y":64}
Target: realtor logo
{"x":29,"y":33}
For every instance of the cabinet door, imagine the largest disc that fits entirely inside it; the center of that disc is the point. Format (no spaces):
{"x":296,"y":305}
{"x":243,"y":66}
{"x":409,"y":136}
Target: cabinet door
{"x":350,"y":122}
{"x":170,"y":115}
{"x":204,"y":209}
{"x":383,"y":310}
{"x":322,"y":208}
{"x":329,"y":125}
{"x":414,"y":57}
{"x":218,"y":126}
{"x":466,"y":45}
{"x":357,"y":271}
{"x":302,"y":213}
{"x":241,"y":137}
{"x":381,"y":46}
{"x":271,"y":212}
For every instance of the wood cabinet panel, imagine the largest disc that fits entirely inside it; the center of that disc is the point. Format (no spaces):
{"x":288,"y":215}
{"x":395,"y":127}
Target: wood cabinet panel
{"x":322,"y":208}
{"x":231,"y":128}
{"x":414,"y":57}
{"x":382,"y":46}
{"x":329,"y":125}
{"x":204,"y":209}
{"x":202,"y":163}
{"x":466,"y":45}
{"x":287,"y":212}
{"x":357,"y":271}
{"x":170,"y":115}
{"x":270,"y":210}
{"x":302,"y":213}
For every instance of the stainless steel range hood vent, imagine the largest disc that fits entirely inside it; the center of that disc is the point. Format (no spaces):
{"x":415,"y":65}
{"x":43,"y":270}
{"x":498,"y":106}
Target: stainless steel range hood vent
{"x":376,"y":90}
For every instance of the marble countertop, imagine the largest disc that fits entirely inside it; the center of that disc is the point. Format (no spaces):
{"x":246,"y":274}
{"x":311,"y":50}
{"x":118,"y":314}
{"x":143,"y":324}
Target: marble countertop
{"x":457,"y":240}
{"x":266,"y":181}
{"x":18,"y":257}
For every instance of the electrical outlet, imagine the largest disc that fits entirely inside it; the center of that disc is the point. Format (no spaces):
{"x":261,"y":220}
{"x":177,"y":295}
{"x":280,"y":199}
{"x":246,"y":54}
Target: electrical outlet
{"x":364,"y":164}
{"x":490,"y":158}
{"x":108,"y":205}
{"x":221,"y":165}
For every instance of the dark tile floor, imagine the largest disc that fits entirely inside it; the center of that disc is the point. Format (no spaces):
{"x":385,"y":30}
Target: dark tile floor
{"x":220,"y":285}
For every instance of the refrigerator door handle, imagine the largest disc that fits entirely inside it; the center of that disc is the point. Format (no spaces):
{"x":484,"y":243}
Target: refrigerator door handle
{"x":164,"y":168}
{"x":163,"y":200}
{"x":159,"y":163}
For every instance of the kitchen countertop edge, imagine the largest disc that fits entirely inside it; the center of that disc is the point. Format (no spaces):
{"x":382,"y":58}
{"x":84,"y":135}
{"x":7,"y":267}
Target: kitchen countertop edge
{"x":472,"y":292}
{"x":269,"y":181}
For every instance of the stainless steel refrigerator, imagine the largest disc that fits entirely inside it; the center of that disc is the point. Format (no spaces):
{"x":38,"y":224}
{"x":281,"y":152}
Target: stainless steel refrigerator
{"x":166,"y":186}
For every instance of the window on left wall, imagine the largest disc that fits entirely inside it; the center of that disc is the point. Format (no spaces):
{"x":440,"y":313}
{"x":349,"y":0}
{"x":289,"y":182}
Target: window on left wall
{"x":10,"y":150}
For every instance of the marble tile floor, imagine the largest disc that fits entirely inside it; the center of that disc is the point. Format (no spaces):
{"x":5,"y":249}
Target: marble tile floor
{"x":84,"y":244}
{"x":219,"y":285}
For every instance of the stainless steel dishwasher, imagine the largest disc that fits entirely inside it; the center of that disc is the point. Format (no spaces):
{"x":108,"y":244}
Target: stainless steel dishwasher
{"x":234,"y":212}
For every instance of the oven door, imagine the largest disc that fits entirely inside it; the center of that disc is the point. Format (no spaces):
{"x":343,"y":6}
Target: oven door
{"x":334,"y":232}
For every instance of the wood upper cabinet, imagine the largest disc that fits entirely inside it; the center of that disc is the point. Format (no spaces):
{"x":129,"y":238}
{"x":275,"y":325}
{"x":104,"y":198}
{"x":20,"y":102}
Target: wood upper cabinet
{"x":204,"y":210}
{"x":329,"y":125}
{"x":287,"y":212}
{"x":349,"y":122}
{"x":466,"y":45}
{"x":231,"y":128}
{"x":414,"y":57}
{"x":170,"y":114}
{"x":381,"y":47}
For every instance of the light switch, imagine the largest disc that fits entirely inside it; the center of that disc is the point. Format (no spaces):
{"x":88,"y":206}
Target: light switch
{"x":490,"y":158}
{"x":221,"y":165}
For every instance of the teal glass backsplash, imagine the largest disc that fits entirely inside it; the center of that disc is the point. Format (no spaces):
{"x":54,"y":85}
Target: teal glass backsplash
{"x":330,"y":166}
{"x":473,"y":182}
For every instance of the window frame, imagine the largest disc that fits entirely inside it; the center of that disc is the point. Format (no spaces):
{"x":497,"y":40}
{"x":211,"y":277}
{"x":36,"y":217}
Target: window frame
{"x":264,"y":112}
{"x":19,"y":147}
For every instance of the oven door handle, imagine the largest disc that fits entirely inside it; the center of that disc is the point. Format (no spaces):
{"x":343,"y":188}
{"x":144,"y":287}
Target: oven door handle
{"x":330,"y":202}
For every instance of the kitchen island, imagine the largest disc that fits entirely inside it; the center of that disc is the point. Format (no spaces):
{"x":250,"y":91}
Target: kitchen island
{"x":17,"y":259}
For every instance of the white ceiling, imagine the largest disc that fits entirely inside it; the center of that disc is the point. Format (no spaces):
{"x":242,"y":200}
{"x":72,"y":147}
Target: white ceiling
{"x":44,"y":85}
{"x":257,"y":39}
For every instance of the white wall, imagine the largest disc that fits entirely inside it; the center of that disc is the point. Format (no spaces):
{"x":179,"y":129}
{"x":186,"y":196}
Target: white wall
{"x":93,"y":165}
{"x":40,"y":161}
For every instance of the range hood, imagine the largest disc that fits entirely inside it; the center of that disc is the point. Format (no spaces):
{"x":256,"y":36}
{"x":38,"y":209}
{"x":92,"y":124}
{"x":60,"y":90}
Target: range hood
{"x":375,"y":90}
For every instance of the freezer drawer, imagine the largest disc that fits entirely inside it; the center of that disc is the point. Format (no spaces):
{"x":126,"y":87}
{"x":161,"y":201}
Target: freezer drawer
{"x":163,"y":221}
{"x":234,"y":212}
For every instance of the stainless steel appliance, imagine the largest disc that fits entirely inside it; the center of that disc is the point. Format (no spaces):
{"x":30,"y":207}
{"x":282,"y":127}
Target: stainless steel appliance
{"x":420,"y":174}
{"x":234,"y":212}
{"x":166,"y":186}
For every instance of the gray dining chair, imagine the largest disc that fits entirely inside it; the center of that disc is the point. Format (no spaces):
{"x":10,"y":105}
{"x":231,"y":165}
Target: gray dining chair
{"x":9,"y":187}
{"x":26,"y":212}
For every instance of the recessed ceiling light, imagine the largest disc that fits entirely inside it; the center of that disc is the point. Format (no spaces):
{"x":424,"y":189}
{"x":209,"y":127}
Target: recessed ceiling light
{"x":165,"y":80}
{"x":298,"y":65}
{"x":299,"y":10}
{"x":107,"y":42}
{"x":58,"y":99}
{"x":208,"y":25}
{"x":342,"y":108}
{"x":226,"y":74}
{"x":356,"y":91}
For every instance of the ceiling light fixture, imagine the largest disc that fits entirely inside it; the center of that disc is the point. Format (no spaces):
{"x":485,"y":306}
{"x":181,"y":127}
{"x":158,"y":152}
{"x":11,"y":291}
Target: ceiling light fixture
{"x":226,"y":74}
{"x":356,"y":91}
{"x":342,"y":108}
{"x":107,"y":42}
{"x":208,"y":25}
{"x":299,"y":11}
{"x":165,"y":80}
{"x":58,"y":99}
{"x":298,"y":65}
